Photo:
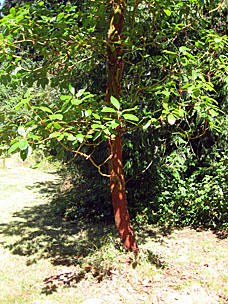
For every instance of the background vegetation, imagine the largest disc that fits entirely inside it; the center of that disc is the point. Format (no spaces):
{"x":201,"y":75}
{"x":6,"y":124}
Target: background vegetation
{"x":172,"y":177}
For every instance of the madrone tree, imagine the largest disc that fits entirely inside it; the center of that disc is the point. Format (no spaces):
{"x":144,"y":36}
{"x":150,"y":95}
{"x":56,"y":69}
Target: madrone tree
{"x":159,"y":54}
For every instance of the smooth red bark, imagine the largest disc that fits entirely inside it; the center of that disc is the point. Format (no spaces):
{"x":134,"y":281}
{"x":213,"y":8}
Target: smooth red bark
{"x":117,"y":181}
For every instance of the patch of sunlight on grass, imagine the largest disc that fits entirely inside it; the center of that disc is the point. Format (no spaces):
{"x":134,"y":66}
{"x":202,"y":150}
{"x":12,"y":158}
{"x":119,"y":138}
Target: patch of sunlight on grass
{"x":21,"y":284}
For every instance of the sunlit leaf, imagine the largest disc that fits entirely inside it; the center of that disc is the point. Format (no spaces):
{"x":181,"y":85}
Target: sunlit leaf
{"x":80,"y":137}
{"x":115,"y":102}
{"x":56,"y":116}
{"x":54,"y":134}
{"x":21,"y":131}
{"x":108,"y":110}
{"x":168,"y":13}
{"x":14,"y":147}
{"x":23,"y":144}
{"x":171,"y":119}
{"x":130,"y":117}
{"x":71,"y":89}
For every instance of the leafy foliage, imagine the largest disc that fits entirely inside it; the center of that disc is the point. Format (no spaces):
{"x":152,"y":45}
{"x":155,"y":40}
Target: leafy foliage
{"x":173,"y":94}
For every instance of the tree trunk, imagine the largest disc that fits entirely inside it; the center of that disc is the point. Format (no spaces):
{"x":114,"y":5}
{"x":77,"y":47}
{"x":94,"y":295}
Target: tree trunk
{"x":117,"y":182}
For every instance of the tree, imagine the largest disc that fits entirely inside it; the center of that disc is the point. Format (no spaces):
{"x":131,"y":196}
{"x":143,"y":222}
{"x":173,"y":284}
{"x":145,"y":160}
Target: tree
{"x":126,"y":38}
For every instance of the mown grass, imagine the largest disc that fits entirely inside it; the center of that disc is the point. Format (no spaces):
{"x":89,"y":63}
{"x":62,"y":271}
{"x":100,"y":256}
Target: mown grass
{"x":82,"y":260}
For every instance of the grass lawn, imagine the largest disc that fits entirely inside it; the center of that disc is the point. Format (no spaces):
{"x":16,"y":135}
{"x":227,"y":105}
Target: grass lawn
{"x":44,"y":259}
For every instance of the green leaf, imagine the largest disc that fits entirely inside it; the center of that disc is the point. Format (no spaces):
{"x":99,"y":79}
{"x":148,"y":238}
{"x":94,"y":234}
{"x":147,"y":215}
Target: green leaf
{"x":13,"y":147}
{"x":129,"y":110}
{"x":88,"y":113}
{"x":80,"y":137}
{"x":96,"y":126}
{"x":60,"y":137}
{"x":217,"y":40}
{"x":97,"y":134}
{"x":54,"y":134}
{"x":57,"y":126}
{"x":108,"y":110}
{"x":196,"y":92}
{"x":19,"y":105}
{"x":71,"y":89}
{"x":24,"y":154}
{"x":147,"y":125}
{"x":80,"y":92}
{"x":28,"y":92}
{"x":21,"y":131}
{"x":12,"y":11}
{"x":130,"y":117}
{"x":23,"y":144}
{"x":71,"y":137}
{"x":65,"y":97}
{"x":171,"y":119}
{"x":76,"y":102}
{"x":56,"y":116}
{"x":168,"y":13}
{"x":115,"y":102}
{"x":114,"y":125}
{"x":45,"y":109}
{"x":96,"y":115}
{"x":194,"y":75}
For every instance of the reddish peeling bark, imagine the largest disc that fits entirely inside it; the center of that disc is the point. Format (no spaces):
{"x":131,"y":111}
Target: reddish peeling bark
{"x":117,"y":181}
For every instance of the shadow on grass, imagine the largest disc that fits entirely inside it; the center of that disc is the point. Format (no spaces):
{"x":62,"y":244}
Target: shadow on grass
{"x":38,"y":233}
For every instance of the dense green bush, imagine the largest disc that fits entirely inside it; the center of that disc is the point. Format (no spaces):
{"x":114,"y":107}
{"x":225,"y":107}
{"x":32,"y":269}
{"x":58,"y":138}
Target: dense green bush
{"x":198,"y":200}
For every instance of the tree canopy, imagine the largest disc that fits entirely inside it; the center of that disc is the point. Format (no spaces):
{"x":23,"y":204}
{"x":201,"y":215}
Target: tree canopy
{"x":119,"y":66}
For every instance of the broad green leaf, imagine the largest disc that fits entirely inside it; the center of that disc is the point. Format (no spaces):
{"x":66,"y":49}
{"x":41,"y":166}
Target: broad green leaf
{"x":88,"y":113}
{"x":96,"y":126}
{"x":27,"y":94}
{"x":23,"y":154}
{"x":80,"y":137}
{"x":34,"y":137}
{"x":114,"y":125}
{"x":57,"y":126}
{"x":19,"y":105}
{"x":96,"y":116}
{"x":56,"y":116}
{"x":194,"y":75}
{"x":108,"y":110}
{"x":14,"y":147}
{"x":147,"y":125}
{"x":45,"y":109}
{"x":23,"y":144}
{"x":97,"y":135}
{"x":196,"y":92}
{"x":21,"y":131}
{"x":60,"y":137}
{"x":130,"y":117}
{"x":65,"y":97}
{"x":76,"y":102}
{"x":54,"y":134}
{"x":71,"y":89}
{"x":12,"y":11}
{"x":171,"y":119}
{"x":71,"y":137}
{"x":168,"y":13}
{"x":87,"y":97}
{"x":115,"y":102}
